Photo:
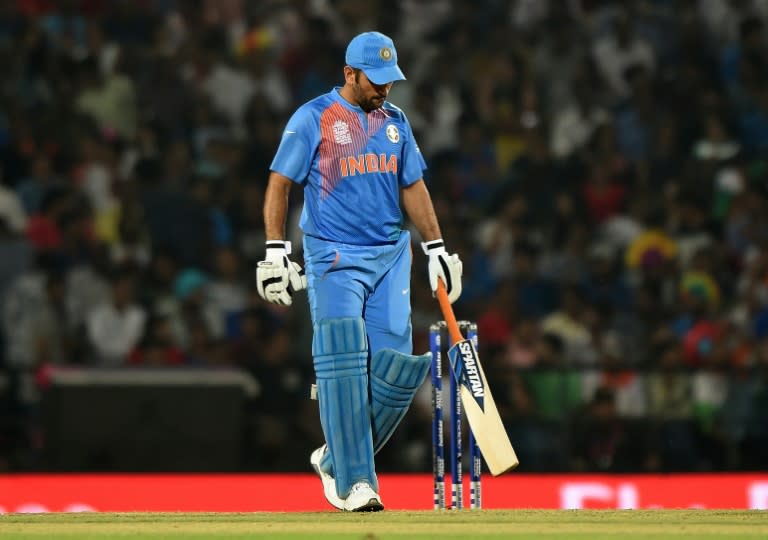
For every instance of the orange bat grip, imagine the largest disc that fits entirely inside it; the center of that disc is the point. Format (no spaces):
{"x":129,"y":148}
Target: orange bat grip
{"x":450,"y":318}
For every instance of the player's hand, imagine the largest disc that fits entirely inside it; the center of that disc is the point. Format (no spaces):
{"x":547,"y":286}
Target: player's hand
{"x":277,"y":277}
{"x":444,"y":266}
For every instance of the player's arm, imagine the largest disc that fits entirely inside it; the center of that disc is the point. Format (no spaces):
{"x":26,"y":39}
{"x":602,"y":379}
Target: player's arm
{"x":277,"y":277}
{"x":276,"y":206}
{"x":418,"y":205}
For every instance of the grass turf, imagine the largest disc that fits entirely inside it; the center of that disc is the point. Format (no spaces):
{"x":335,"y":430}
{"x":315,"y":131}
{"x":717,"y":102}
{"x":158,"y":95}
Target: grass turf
{"x":485,"y":524}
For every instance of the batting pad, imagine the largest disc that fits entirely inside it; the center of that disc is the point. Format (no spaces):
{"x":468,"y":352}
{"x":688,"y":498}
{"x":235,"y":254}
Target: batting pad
{"x":340,"y":352}
{"x":395,"y":378}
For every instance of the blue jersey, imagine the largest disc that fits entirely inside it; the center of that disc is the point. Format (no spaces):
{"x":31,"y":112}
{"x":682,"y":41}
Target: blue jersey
{"x":352,"y":166}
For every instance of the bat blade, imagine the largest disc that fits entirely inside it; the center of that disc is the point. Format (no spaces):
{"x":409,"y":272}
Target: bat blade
{"x":480,"y":408}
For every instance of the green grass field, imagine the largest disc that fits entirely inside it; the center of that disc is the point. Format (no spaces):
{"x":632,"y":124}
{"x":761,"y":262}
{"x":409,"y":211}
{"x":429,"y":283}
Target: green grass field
{"x":496,"y":524}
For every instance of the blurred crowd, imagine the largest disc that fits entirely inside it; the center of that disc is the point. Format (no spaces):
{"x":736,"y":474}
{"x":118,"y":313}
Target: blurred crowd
{"x":600,"y":166}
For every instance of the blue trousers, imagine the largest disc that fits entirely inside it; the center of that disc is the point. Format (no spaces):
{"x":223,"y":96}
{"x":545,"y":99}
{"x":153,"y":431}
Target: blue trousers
{"x":347,"y":283}
{"x":372,"y":282}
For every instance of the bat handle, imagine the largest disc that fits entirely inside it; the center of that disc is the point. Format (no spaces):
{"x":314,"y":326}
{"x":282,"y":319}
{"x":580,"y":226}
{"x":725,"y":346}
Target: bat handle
{"x":448,"y":315}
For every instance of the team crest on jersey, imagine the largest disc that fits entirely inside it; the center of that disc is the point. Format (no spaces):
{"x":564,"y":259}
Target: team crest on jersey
{"x":393,"y":134}
{"x":341,"y":132}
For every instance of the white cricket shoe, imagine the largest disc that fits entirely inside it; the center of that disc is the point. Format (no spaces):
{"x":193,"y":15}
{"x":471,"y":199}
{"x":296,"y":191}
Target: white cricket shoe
{"x":329,"y":483}
{"x":362,"y":498}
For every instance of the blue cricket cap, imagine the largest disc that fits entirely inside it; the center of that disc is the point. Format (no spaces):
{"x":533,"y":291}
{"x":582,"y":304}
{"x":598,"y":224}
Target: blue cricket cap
{"x":375,"y":54}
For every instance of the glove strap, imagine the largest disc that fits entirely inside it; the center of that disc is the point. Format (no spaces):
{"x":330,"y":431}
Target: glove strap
{"x":284,"y":246}
{"x":433,"y":247}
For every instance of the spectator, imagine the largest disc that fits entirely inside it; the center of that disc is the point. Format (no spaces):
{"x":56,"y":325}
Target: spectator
{"x":15,"y":250}
{"x":192,"y":313}
{"x":35,"y":321}
{"x":157,"y":347}
{"x":109,"y":100}
{"x":554,"y":390}
{"x":568,"y":323}
{"x":605,"y":284}
{"x":226,"y":291}
{"x":602,"y":441}
{"x":497,"y":320}
{"x":115,"y":327}
{"x":536,"y":296}
{"x":715,"y":144}
{"x":523,"y":346}
{"x":43,"y":228}
{"x":603,"y":196}
{"x":620,"y":49}
{"x":574,"y":124}
{"x":669,"y":389}
{"x":561,"y":140}
{"x":32,"y":190}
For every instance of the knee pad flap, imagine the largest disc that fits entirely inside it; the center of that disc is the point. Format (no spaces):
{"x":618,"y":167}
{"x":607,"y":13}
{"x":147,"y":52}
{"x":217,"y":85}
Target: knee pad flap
{"x":395,"y":375}
{"x":395,"y":378}
{"x":340,"y":347}
{"x":399,"y":369}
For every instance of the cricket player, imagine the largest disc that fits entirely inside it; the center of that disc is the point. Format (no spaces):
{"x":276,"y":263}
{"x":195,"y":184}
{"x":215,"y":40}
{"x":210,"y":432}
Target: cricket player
{"x":356,"y":158}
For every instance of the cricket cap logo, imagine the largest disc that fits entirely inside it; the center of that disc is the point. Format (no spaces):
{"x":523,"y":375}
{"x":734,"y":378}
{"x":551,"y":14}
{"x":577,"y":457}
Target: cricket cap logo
{"x":375,"y":54}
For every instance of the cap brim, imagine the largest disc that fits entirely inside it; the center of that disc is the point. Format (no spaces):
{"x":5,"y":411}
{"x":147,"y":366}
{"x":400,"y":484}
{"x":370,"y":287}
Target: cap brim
{"x":384,"y":75}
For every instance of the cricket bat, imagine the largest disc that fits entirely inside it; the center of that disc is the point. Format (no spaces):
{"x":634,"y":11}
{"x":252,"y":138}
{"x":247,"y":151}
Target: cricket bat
{"x":479,"y":406}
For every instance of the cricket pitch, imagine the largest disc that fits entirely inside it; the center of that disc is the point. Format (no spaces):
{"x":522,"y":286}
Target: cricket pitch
{"x":491,"y":524}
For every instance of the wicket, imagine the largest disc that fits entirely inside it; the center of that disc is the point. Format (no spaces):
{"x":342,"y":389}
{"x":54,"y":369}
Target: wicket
{"x":438,"y":338}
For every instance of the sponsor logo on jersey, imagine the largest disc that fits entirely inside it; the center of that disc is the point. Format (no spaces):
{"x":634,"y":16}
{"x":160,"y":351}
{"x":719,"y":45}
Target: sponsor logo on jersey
{"x":341,"y":132}
{"x":367,"y":163}
{"x":393,"y":134}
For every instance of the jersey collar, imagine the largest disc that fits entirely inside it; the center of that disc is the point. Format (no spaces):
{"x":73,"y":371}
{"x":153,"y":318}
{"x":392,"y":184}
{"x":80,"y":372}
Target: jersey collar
{"x":336,"y":94}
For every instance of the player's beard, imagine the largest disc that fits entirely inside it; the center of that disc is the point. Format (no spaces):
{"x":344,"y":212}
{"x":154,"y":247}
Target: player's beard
{"x":366,"y":103}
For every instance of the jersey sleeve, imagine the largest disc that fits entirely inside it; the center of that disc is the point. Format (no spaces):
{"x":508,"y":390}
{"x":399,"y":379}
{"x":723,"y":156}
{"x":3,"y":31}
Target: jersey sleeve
{"x":294,"y":155}
{"x":413,"y":164}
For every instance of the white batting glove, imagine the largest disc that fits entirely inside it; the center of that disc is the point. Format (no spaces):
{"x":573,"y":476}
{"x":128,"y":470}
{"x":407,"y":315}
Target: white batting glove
{"x":277,"y":277}
{"x":444,"y":266}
